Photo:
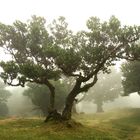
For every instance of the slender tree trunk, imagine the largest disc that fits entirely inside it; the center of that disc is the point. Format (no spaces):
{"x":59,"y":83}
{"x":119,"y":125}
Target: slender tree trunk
{"x":52,"y":96}
{"x":51,"y":110}
{"x":100,"y":107}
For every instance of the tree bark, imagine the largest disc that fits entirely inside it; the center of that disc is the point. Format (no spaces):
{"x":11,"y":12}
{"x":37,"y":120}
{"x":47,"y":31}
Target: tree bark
{"x":52,"y":113}
{"x":67,"y":112}
{"x":66,"y":115}
{"x":52,"y":96}
{"x":51,"y":89}
{"x":99,"y":107}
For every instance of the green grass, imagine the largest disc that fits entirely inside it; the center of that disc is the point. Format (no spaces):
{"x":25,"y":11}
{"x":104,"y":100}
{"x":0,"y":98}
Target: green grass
{"x":114,"y":125}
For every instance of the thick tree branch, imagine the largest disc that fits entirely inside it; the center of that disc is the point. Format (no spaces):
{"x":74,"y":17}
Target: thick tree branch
{"x":78,"y":101}
{"x":11,"y":84}
{"x":100,"y":65}
{"x":19,"y":83}
{"x":70,"y":74}
{"x":86,"y":87}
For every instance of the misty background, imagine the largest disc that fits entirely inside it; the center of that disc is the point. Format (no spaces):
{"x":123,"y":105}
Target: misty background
{"x":21,"y":105}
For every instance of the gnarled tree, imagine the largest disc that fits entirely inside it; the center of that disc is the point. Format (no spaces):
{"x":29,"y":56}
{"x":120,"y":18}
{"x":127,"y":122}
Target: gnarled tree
{"x":39,"y":55}
{"x":86,"y":53}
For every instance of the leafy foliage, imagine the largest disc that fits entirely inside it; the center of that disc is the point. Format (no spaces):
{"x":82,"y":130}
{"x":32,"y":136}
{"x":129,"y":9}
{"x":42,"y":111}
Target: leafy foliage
{"x":85,"y":53}
{"x":40,"y":54}
{"x":28,"y":43}
{"x":131,"y":77}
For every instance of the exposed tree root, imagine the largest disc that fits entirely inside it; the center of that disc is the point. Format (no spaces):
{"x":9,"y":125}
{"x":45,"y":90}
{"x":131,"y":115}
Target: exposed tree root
{"x":53,"y":115}
{"x":56,"y":119}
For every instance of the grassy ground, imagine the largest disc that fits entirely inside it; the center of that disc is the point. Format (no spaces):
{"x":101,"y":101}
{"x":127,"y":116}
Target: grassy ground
{"x":114,"y":125}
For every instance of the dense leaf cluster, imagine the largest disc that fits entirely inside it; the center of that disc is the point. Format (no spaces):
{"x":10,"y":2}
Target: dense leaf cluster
{"x":131,"y":77}
{"x":41,"y":53}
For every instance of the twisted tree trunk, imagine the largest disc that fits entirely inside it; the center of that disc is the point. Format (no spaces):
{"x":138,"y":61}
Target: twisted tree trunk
{"x":67,"y":112}
{"x":52,"y":112}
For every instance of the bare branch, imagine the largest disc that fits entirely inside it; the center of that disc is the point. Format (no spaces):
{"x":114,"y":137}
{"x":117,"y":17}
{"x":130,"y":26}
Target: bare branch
{"x":129,"y":58}
{"x":19,"y":83}
{"x":15,"y":85}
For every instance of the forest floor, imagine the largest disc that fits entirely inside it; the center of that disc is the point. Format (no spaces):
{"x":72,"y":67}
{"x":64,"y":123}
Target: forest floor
{"x":121,"y":124}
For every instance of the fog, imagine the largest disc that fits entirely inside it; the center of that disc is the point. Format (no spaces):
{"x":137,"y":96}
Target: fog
{"x":131,"y":101}
{"x":20,"y":105}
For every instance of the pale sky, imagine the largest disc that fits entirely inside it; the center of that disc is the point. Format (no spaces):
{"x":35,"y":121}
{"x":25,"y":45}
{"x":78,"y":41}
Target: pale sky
{"x":75,"y":11}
